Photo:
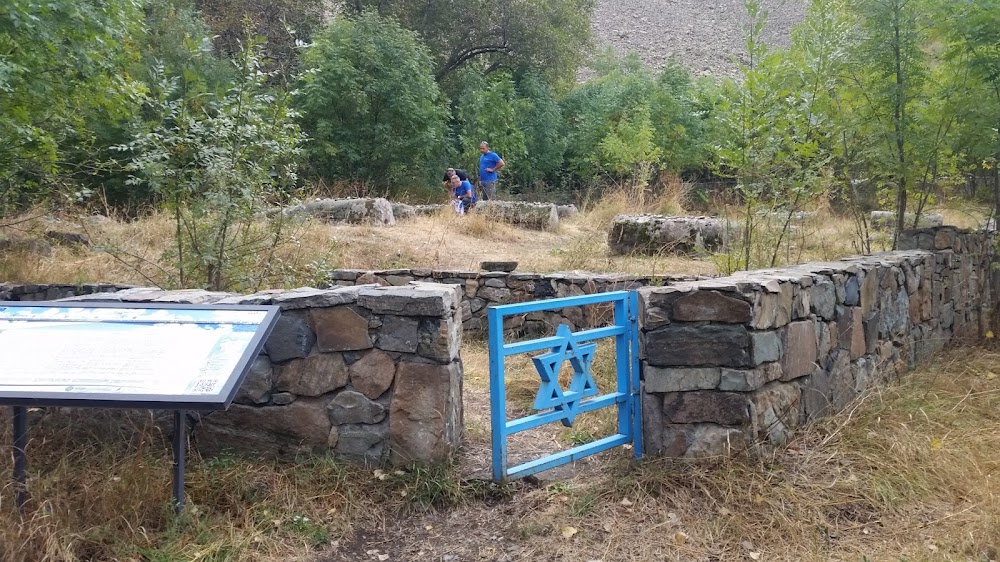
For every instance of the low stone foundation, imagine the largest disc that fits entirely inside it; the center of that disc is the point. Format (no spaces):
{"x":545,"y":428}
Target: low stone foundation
{"x":353,"y":211}
{"x":658,"y":234}
{"x":886,"y":220}
{"x":482,"y":289}
{"x":534,"y":216}
{"x":366,"y":372}
{"x":742,"y":360}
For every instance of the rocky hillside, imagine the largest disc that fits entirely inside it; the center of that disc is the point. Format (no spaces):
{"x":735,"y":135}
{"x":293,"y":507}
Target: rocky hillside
{"x":705,"y":35}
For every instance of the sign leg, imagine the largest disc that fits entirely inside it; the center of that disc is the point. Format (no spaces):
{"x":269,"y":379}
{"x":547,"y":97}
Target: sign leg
{"x":20,"y":457}
{"x":180,"y":447}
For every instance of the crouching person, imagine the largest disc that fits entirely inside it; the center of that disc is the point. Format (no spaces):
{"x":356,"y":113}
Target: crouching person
{"x":462,"y":192}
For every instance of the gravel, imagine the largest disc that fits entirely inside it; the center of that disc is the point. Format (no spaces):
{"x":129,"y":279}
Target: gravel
{"x":706,"y":36}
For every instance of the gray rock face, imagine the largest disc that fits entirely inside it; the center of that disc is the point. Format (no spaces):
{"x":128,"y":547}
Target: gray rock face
{"x":355,"y":211}
{"x":658,"y":234}
{"x":704,"y":37}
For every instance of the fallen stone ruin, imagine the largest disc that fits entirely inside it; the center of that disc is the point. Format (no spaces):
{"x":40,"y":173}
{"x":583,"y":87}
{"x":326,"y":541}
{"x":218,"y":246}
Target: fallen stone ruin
{"x":886,"y":220}
{"x":533,"y":216}
{"x":352,"y":211}
{"x":659,"y":234}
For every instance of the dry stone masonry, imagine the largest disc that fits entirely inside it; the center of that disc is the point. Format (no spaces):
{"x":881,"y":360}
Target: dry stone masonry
{"x":482,"y":289}
{"x":366,"y":372}
{"x":743,"y":360}
{"x":656,"y":234}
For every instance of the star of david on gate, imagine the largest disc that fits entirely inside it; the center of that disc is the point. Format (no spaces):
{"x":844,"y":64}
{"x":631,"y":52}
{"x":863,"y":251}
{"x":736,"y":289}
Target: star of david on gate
{"x":550,"y":393}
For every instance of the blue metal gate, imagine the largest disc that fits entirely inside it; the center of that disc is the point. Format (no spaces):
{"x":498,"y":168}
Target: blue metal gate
{"x":554,"y":403}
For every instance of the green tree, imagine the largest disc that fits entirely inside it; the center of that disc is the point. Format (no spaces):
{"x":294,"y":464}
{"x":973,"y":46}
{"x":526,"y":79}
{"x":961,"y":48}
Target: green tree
{"x":217,"y":162}
{"x":60,"y":61}
{"x":370,"y":103}
{"x":972,"y":31}
{"x":541,"y":120}
{"x":549,"y":37}
{"x":889,"y":70}
{"x":488,"y":111}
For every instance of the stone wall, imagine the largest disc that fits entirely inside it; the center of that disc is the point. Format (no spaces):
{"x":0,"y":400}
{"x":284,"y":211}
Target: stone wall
{"x":742,"y":360}
{"x":482,"y":289}
{"x":47,"y":292}
{"x":366,"y":372}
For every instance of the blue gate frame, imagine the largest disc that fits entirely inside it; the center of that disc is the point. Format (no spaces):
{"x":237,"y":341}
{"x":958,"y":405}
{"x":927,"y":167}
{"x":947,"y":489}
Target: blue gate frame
{"x":554,"y":403}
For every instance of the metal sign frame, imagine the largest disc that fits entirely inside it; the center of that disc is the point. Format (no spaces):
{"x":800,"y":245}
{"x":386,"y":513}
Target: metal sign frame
{"x":21,"y":400}
{"x":563,"y":405}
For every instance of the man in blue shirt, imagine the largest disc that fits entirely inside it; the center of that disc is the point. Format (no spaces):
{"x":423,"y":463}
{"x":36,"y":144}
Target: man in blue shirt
{"x":489,"y":163}
{"x":461,"y":191}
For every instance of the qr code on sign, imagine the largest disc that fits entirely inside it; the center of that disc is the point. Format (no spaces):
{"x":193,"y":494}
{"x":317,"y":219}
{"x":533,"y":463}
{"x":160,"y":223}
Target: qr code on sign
{"x":203,"y":386}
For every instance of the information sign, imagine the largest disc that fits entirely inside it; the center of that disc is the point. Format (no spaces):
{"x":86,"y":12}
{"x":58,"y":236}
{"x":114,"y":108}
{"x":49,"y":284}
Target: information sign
{"x":159,"y":356}
{"x":163,"y":356}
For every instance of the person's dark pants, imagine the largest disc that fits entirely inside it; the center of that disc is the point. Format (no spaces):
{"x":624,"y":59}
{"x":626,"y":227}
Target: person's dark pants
{"x":467,"y":204}
{"x":488,"y":189}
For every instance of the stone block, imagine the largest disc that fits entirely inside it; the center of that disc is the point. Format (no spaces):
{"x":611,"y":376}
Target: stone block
{"x":422,"y":414}
{"x":744,"y":380}
{"x":292,"y":337}
{"x":709,"y":345}
{"x":373,"y":374}
{"x":852,"y":291}
{"x":308,"y":297}
{"x":652,"y":422}
{"x":350,"y":406}
{"x":725,"y":408}
{"x":773,"y":309}
{"x":701,"y":441}
{"x":256,"y":387}
{"x":302,"y":426}
{"x":766,"y":346}
{"x":399,"y":333}
{"x":776,"y":411}
{"x":417,"y":299}
{"x":680,"y":379}
{"x":850,"y":331}
{"x":340,"y":329}
{"x":869,"y":290}
{"x":362,"y":441}
{"x":710,"y":306}
{"x":313,"y":375}
{"x":800,"y":350}
{"x":823,"y":298}
{"x":439,"y":339}
{"x":494,"y":294}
